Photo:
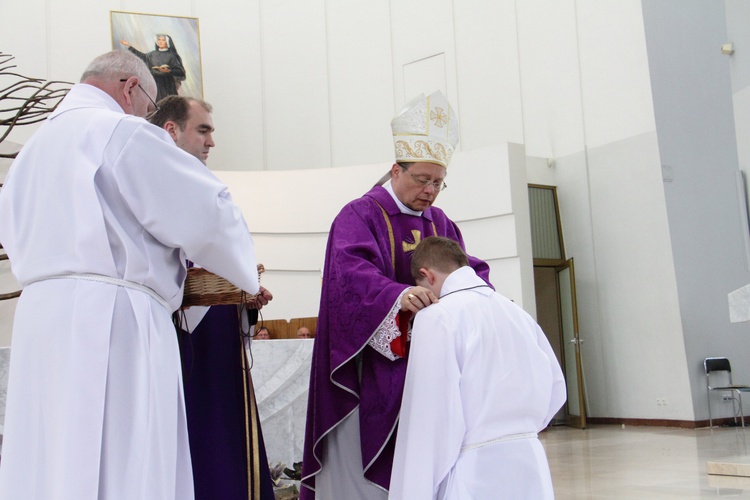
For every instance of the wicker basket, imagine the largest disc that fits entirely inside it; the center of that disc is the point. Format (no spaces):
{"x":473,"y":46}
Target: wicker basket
{"x":203,"y":288}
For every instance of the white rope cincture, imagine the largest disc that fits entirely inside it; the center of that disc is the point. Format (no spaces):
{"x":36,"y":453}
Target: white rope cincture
{"x":510,"y":437}
{"x":100,"y":278}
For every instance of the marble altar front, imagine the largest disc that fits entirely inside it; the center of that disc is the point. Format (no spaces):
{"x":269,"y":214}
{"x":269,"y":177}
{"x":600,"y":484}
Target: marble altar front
{"x":281,"y":376}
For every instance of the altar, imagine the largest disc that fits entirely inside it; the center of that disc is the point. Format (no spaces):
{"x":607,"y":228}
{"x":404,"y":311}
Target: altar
{"x":281,"y":376}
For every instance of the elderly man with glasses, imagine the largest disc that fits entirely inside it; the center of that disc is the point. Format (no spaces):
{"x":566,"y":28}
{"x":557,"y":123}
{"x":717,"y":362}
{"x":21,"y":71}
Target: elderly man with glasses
{"x":368,"y":298}
{"x":98,"y":214}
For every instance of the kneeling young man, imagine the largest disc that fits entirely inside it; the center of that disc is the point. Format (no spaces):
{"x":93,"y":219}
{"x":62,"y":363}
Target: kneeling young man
{"x":482,"y":381}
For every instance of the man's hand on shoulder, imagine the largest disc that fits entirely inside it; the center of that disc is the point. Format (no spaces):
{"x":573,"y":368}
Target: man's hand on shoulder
{"x":417,"y":298}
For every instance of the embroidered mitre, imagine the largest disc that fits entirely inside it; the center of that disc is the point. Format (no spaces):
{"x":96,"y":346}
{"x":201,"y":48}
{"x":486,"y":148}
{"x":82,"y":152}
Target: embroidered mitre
{"x":426,"y":130}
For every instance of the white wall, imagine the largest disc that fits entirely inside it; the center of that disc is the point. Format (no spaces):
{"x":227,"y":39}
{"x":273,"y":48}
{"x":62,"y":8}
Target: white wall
{"x":658,"y":255}
{"x":299,"y":87}
{"x":587,"y":106}
{"x":737,"y":13}
{"x":302,"y":86}
{"x":692,"y":89}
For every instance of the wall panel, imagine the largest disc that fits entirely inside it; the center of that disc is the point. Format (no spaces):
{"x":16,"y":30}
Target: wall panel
{"x":360,"y":81}
{"x":636,"y":278}
{"x":296,"y":294}
{"x":506,"y":278}
{"x":550,"y":78}
{"x":615,"y":82}
{"x":233,"y":81}
{"x":414,"y":41}
{"x":295,"y":82}
{"x":487,"y":69}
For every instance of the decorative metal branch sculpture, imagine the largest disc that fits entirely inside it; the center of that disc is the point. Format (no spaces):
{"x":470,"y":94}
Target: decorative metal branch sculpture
{"x":26,"y":100}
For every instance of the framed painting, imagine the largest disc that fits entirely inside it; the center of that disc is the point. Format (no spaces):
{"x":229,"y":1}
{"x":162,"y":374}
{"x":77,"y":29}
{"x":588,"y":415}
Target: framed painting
{"x":168,"y":45}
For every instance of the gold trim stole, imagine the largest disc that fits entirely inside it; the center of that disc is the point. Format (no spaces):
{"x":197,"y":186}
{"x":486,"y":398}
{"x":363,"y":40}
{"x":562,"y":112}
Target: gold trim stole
{"x":392,"y":239}
{"x":251,"y":429}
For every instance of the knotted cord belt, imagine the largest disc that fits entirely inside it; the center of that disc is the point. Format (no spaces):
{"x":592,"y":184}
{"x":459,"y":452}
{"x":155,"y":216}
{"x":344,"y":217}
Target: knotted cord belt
{"x":100,"y":278}
{"x":510,"y":437}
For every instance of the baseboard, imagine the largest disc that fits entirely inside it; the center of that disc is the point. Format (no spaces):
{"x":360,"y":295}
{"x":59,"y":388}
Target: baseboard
{"x":661,"y":422}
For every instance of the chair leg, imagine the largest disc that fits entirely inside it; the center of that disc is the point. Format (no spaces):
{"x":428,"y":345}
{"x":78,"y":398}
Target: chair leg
{"x":739,"y":401}
{"x":708,"y":398}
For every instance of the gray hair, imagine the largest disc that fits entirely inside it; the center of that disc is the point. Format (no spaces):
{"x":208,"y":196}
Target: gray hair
{"x":115,"y":65}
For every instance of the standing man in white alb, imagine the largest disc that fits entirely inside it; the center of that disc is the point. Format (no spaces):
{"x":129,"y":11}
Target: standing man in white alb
{"x":98,"y":214}
{"x":482,"y":381}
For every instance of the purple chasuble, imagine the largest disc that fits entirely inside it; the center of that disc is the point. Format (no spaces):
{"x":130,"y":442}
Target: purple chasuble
{"x":367,"y":266}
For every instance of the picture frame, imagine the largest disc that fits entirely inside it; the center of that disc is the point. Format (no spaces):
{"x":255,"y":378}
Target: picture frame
{"x":139,"y":31}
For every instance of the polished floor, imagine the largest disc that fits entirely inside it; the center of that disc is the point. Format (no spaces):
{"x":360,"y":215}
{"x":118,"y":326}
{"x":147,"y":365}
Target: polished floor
{"x":626,"y":462}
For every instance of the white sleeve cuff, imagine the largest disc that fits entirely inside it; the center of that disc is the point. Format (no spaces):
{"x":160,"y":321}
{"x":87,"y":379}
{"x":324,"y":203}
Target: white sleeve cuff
{"x":387,"y":331}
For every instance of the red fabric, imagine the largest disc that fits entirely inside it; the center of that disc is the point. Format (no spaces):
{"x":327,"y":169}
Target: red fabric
{"x":399,"y":344}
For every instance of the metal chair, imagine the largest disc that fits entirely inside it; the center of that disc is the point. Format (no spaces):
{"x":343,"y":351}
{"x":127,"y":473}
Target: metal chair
{"x":714,"y":365}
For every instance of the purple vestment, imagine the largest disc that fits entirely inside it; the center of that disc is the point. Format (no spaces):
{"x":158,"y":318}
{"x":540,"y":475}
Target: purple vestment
{"x":367,"y":266}
{"x":220,"y":413}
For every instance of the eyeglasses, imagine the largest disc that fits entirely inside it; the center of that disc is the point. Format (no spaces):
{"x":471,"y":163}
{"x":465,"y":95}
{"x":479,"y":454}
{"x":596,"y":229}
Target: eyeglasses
{"x":436,"y":185}
{"x":156,"y":108}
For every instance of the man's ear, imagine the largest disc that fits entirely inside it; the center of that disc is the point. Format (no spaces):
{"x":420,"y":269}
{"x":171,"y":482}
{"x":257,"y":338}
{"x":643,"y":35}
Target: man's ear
{"x":171,"y":128}
{"x":428,"y":275}
{"x":127,"y":92}
{"x":395,"y":169}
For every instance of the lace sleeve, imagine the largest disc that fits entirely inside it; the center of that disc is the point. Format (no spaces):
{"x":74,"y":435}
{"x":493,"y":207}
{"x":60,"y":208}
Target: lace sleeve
{"x":387,"y":331}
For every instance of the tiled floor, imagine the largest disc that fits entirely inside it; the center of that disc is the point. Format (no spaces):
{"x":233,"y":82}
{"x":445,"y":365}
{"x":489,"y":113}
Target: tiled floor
{"x":645,"y":462}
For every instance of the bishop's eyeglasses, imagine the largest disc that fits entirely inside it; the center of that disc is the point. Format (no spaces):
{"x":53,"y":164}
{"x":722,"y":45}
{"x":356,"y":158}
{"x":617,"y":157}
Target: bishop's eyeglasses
{"x":436,"y":185}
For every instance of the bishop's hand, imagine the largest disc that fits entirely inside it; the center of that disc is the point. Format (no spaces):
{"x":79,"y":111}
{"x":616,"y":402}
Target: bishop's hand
{"x":417,"y":298}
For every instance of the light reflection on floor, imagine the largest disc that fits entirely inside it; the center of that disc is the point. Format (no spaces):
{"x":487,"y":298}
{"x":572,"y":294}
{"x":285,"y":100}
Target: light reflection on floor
{"x":607,"y":461}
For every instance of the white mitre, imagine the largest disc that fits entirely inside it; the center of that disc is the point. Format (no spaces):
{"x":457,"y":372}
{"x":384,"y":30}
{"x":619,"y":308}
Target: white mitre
{"x":426,"y":130}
